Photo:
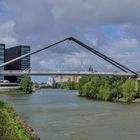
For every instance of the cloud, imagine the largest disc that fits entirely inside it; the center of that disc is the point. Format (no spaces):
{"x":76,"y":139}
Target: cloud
{"x":41,"y":21}
{"x":126,"y":51}
{"x":95,"y":12}
{"x":111,"y":26}
{"x":133,"y":30}
{"x":7,"y":33}
{"x":9,"y":41}
{"x":127,"y":43}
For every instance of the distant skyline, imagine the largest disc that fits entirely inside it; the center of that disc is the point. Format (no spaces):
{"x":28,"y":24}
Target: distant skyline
{"x":111,"y":26}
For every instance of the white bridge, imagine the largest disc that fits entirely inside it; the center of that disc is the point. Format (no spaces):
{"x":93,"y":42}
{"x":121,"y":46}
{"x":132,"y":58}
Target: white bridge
{"x":126,"y":71}
{"x":64,"y":73}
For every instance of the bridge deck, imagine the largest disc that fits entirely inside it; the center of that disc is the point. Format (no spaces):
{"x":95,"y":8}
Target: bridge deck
{"x":65,"y":73}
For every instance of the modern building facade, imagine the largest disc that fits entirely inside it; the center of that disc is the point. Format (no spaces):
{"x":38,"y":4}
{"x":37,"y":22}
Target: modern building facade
{"x":2,"y":58}
{"x":23,"y":64}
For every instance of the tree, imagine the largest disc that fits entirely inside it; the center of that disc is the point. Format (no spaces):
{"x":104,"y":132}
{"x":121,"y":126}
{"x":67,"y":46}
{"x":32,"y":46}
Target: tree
{"x":82,"y":82}
{"x":129,"y":90}
{"x":26,"y":84}
{"x":104,"y":93}
{"x":90,"y":89}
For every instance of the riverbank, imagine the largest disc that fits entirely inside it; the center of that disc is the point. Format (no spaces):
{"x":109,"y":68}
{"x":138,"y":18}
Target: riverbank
{"x":114,"y":89}
{"x":63,"y":115}
{"x":12,"y":91}
{"x":12,"y":127}
{"x":29,"y":129}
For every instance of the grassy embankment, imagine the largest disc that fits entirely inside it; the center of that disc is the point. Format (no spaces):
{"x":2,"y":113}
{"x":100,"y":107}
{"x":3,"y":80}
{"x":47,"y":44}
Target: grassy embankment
{"x":10,"y":127}
{"x":106,"y":88}
{"x":12,"y":91}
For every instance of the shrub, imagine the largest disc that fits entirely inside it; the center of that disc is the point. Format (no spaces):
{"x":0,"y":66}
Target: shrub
{"x":138,"y":87}
{"x":90,"y":90}
{"x":10,"y":129}
{"x":104,"y":93}
{"x":129,"y":90}
{"x":26,"y":84}
{"x":109,"y":88}
{"x":68,"y":85}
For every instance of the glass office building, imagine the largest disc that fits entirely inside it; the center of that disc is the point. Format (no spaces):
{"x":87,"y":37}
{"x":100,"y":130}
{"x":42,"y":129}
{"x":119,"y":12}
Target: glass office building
{"x":2,"y":58}
{"x":23,"y":64}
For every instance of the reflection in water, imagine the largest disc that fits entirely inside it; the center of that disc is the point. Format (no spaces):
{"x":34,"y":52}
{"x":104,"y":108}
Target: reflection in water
{"x":63,"y":115}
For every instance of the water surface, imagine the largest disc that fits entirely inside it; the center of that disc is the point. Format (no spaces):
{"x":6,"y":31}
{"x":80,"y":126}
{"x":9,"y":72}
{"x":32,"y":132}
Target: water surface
{"x":63,"y":115}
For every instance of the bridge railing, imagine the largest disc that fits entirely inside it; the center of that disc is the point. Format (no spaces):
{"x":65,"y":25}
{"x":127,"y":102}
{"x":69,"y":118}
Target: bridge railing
{"x":64,"y":73}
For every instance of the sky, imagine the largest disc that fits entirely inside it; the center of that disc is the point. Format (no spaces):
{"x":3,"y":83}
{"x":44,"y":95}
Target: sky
{"x":110,"y":26}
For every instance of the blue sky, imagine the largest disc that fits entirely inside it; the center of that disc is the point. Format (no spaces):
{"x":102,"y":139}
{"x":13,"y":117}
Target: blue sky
{"x":110,"y":26}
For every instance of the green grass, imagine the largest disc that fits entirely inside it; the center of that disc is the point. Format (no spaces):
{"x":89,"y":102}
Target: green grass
{"x":10,"y":129}
{"x":12,"y":91}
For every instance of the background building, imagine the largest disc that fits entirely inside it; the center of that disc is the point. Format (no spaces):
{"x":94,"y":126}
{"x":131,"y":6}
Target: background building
{"x":62,"y":79}
{"x":2,"y":58}
{"x":51,"y":81}
{"x":71,"y":78}
{"x":23,"y":64}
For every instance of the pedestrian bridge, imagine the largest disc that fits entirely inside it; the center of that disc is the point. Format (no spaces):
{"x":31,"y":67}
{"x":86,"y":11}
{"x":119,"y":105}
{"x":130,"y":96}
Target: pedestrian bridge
{"x":125,"y":70}
{"x":64,"y":73}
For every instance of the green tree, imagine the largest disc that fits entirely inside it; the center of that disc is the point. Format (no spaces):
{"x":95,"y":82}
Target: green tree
{"x":26,"y":84}
{"x":90,"y":90}
{"x":104,"y":93}
{"x":138,"y":87}
{"x":129,"y":90}
{"x":82,"y":82}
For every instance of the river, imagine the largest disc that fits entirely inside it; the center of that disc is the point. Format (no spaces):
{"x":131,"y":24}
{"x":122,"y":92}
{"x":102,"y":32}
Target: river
{"x":63,"y":115}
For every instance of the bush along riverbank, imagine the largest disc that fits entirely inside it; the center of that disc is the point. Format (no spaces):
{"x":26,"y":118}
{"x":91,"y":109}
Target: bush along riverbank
{"x":109,"y":88}
{"x":26,"y":84}
{"x":12,"y":127}
{"x":68,"y":85}
{"x":105,"y":88}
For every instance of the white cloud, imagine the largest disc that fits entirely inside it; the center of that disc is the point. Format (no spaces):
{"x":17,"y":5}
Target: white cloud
{"x":7,"y":33}
{"x":75,"y":59}
{"x":125,"y":51}
{"x":127,"y":43}
{"x":40,"y":21}
{"x":9,"y":41}
{"x":37,"y":22}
